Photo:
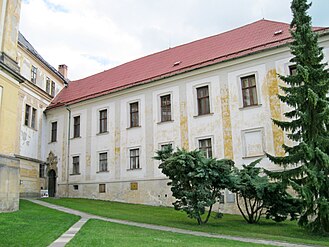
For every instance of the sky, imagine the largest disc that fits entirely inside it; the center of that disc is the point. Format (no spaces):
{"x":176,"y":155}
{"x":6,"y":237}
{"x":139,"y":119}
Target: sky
{"x":91,"y":36}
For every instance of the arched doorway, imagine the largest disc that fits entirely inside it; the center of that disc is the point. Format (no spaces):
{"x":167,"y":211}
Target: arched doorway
{"x":51,"y":183}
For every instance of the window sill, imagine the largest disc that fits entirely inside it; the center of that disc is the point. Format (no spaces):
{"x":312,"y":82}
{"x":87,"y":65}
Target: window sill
{"x":250,"y":107}
{"x":204,"y":115}
{"x":102,"y":171}
{"x":134,"y":169}
{"x":30,"y":127}
{"x":253,"y":156}
{"x":75,"y":174}
{"x":78,"y":137}
{"x":102,"y":133}
{"x":134,"y":127}
{"x":52,"y":142}
{"x":164,"y":122}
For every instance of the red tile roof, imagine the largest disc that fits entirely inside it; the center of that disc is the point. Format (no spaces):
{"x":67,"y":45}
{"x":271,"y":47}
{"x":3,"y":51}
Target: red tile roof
{"x":248,"y":39}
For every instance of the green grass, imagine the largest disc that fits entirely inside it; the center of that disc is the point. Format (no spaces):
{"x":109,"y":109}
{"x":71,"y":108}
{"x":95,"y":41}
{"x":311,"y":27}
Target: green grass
{"x":230,"y":224}
{"x":33,"y":225}
{"x":100,"y":233}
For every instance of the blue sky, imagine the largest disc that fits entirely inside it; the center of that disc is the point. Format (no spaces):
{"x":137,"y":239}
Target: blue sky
{"x":93,"y":35}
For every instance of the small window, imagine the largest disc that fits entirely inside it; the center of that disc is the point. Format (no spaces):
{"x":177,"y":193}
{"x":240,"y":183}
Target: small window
{"x":165,"y":102}
{"x":102,"y":188}
{"x":76,"y":127}
{"x":33,"y":118}
{"x":48,"y":82}
{"x":76,"y":165}
{"x":103,"y":121}
{"x":53,"y":88}
{"x":205,"y":146}
{"x":76,"y":187}
{"x":53,"y":131}
{"x":134,"y":159}
{"x":249,"y":92}
{"x":166,"y":146}
{"x":27,"y":115}
{"x":34,"y":74}
{"x":134,"y":115}
{"x":203,"y":100}
{"x":42,"y":170}
{"x":293,"y":69}
{"x":103,"y":162}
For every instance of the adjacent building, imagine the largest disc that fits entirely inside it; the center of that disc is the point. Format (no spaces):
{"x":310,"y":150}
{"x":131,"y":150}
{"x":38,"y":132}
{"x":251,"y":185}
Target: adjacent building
{"x":216,"y":94}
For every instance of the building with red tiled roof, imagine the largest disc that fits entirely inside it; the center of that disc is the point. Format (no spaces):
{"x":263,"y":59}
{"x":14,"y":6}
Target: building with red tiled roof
{"x":217,"y":94}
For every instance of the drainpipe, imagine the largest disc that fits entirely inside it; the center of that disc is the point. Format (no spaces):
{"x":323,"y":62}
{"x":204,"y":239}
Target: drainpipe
{"x":68,"y":152}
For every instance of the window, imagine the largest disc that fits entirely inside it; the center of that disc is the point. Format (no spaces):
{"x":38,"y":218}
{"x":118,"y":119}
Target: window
{"x":52,"y":88}
{"x":134,"y":117}
{"x":27,"y":115}
{"x":249,"y":92}
{"x":203,"y":100}
{"x":165,"y":103}
{"x":293,"y":69}
{"x":102,"y":188}
{"x":103,"y":121}
{"x":33,"y":119}
{"x":76,"y":187}
{"x":42,"y":170}
{"x":76,"y":164}
{"x":103,"y":162}
{"x":166,"y":146}
{"x":76,"y":126}
{"x":205,"y":146}
{"x":48,"y":85}
{"x":134,"y":158}
{"x":34,"y":74}
{"x":53,"y":131}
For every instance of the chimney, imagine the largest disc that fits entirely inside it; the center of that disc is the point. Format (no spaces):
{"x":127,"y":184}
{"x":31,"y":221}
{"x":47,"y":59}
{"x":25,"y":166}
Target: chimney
{"x":62,"y":68}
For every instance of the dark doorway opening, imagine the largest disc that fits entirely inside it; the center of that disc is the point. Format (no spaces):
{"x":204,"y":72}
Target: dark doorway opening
{"x":51,"y":183}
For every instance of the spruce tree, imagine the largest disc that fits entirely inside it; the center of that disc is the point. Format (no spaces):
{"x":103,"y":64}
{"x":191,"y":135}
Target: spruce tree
{"x":306,"y":164}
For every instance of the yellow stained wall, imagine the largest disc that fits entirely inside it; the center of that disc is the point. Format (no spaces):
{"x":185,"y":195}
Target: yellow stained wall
{"x":9,"y":116}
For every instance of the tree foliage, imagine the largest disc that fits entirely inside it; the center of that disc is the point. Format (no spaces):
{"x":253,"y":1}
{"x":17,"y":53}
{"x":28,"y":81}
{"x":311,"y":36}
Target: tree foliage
{"x":196,"y":181}
{"x":257,"y":196}
{"x":306,"y":163}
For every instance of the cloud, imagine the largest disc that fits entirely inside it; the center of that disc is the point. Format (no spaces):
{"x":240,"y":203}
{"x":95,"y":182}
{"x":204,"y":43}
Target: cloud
{"x":92,"y":36}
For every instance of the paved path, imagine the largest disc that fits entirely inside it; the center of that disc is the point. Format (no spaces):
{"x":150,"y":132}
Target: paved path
{"x":68,"y":235}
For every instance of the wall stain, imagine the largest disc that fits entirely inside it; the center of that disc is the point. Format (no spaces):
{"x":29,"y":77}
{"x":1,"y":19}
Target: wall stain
{"x":227,"y":127}
{"x":275,"y":108}
{"x":183,"y":126}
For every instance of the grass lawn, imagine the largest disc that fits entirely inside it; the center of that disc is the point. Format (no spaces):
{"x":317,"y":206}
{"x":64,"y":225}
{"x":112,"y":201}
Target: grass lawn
{"x":33,"y":225}
{"x":230,"y":224}
{"x":100,"y":233}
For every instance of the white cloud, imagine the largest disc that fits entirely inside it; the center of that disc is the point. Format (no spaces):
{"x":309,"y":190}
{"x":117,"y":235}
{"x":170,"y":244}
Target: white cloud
{"x":91,"y":36}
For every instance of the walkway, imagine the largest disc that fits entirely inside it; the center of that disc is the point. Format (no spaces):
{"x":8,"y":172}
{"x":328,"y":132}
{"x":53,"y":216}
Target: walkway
{"x":69,"y":234}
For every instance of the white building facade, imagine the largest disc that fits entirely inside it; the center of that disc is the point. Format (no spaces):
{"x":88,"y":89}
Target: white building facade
{"x":104,"y":143}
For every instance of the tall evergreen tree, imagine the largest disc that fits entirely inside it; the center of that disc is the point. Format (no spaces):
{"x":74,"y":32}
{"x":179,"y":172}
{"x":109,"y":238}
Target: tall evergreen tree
{"x":307,"y":162}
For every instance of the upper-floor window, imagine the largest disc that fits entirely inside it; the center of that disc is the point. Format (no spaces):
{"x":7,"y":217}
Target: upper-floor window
{"x":203,"y":100}
{"x":205,"y":146}
{"x":249,"y":91}
{"x":103,"y":121}
{"x":293,"y":69}
{"x":30,"y":116}
{"x":34,"y":71}
{"x":53,"y":132}
{"x":76,"y":165}
{"x":134,"y":158}
{"x":52,"y":88}
{"x":42,"y":168}
{"x":48,"y":82}
{"x":165,"y":104}
{"x":166,"y":146}
{"x":134,"y":114}
{"x":76,"y":126}
{"x":103,"y":162}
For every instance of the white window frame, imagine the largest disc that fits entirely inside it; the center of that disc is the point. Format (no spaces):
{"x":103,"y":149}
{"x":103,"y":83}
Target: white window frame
{"x":98,"y":161}
{"x":139,"y":155}
{"x":195,"y":98}
{"x":211,"y":137}
{"x":159,"y":106}
{"x":239,"y":82}
{"x":139,"y":113}
{"x":98,"y":120}
{"x":71,"y":164}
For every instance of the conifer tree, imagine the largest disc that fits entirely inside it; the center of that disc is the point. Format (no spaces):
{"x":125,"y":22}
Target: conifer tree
{"x":306,"y":164}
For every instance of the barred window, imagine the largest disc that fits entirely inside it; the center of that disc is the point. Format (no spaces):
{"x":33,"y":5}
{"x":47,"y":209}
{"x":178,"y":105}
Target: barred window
{"x":249,"y":92}
{"x":203,"y":100}
{"x":205,"y":146}
{"x":165,"y":108}
{"x":134,"y":159}
{"x":103,"y":121}
{"x":103,"y":162}
{"x":134,"y":115}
